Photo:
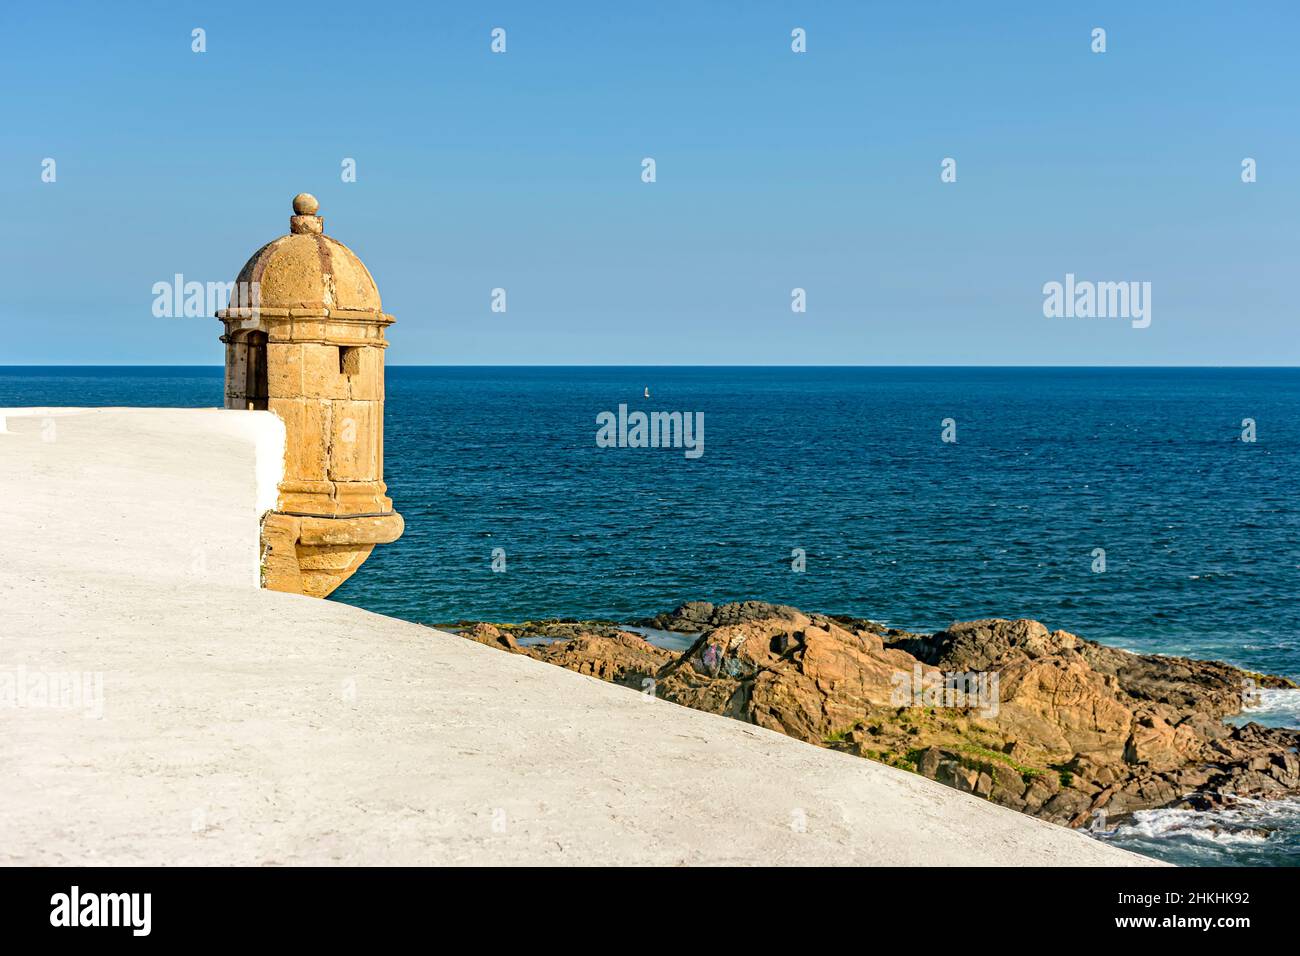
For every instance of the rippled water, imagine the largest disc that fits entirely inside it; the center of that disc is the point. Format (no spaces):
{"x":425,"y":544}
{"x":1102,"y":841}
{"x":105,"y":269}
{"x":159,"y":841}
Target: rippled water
{"x":1201,"y":530}
{"x":1254,"y":833}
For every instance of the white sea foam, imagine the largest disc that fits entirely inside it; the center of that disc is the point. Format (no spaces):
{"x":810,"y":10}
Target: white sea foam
{"x":1274,"y":708}
{"x":1217,"y":826}
{"x":1251,"y":832}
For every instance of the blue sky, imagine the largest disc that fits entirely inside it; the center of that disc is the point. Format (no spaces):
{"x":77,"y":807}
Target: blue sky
{"x":775,"y":170}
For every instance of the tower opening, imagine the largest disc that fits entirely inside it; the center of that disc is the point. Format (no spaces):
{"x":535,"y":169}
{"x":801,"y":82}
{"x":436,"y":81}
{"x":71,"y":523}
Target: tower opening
{"x":349,"y":360}
{"x":257,"y":390}
{"x":249,"y":388}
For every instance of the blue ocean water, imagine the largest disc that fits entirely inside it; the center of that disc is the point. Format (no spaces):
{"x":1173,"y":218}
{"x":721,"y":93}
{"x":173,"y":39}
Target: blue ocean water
{"x":1201,"y":530}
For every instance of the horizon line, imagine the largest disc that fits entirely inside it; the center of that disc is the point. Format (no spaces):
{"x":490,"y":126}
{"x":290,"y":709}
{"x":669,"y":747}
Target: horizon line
{"x":901,"y":365}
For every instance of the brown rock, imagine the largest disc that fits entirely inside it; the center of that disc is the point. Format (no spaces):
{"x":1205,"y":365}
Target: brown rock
{"x":623,"y":657}
{"x":1085,"y":726}
{"x":1067,"y":807}
{"x":1155,"y":744}
{"x":927,"y":763}
{"x":492,"y":636}
{"x":957,"y":775}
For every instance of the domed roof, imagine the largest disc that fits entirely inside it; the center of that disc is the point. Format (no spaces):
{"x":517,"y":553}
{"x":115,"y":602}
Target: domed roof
{"x":309,"y":270}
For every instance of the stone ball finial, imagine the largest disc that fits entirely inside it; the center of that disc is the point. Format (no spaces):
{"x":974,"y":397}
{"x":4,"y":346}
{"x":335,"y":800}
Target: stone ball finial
{"x":305,"y":222}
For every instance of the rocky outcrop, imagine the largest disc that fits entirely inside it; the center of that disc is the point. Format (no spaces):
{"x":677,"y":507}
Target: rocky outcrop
{"x":622,"y":657}
{"x":1042,"y":721}
{"x":491,"y":635}
{"x":696,"y":616}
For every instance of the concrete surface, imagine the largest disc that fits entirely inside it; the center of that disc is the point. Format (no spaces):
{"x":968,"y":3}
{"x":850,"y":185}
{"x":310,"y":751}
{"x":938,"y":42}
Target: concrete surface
{"x":241,"y":726}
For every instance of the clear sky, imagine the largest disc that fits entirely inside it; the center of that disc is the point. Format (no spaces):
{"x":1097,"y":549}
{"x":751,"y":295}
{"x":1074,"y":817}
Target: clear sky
{"x":775,"y":170}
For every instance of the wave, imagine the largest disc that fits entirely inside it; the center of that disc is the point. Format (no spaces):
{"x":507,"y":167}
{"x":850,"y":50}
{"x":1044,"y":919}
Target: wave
{"x":1250,"y":833}
{"x":1274,"y":708}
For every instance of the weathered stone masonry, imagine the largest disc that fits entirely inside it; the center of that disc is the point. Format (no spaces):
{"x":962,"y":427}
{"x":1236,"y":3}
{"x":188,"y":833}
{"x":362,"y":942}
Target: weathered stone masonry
{"x":309,"y":345}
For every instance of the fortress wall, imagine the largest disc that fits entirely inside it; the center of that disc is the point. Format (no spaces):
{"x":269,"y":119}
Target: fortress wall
{"x":222,"y":723}
{"x":170,"y":495}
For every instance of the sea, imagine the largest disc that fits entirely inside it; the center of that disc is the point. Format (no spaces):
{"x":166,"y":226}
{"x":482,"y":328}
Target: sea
{"x":1154,"y":509}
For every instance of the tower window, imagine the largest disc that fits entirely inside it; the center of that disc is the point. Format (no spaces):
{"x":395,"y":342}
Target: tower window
{"x":246,"y":373}
{"x":349,"y":360}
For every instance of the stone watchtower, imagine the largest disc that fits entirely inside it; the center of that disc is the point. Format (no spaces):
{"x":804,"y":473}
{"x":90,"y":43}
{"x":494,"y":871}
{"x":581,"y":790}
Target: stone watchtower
{"x":305,"y":339}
